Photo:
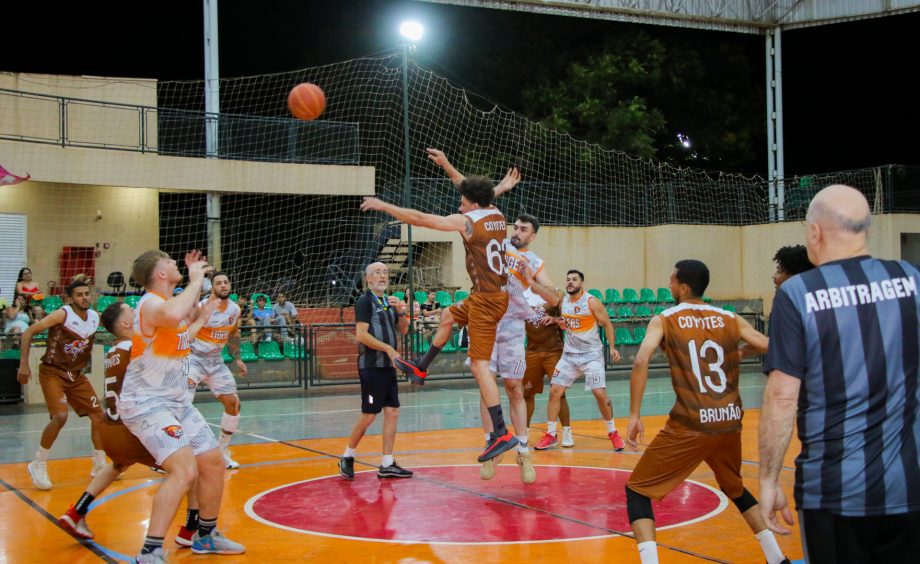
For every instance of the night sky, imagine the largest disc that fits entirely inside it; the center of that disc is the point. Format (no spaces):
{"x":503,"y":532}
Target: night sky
{"x":848,"y":102}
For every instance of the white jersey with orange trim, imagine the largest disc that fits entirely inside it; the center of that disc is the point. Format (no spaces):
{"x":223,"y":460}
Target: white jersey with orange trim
{"x":159,"y":363}
{"x":515,"y":260}
{"x":212,"y":337}
{"x":581,"y":327}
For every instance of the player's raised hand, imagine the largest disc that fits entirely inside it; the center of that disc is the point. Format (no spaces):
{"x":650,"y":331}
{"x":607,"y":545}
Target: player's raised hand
{"x":511,"y":179}
{"x":197,"y":265}
{"x":209,"y":305}
{"x":635,"y":430}
{"x":437,"y":157}
{"x":371,"y":203}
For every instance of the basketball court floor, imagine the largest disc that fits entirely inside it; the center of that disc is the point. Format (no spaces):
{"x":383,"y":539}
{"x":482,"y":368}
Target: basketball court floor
{"x":287,"y":501}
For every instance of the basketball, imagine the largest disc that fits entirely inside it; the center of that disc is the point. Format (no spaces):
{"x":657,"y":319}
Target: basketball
{"x":306,"y":101}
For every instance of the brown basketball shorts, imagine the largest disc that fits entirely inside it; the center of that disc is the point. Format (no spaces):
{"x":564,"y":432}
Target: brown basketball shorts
{"x":59,"y":390}
{"x":122,"y":447}
{"x":540,"y":365}
{"x":481,"y":313}
{"x":676,"y":453}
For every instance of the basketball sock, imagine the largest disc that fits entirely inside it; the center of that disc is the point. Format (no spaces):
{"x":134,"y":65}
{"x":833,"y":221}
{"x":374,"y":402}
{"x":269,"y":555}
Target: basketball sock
{"x":42,"y":454}
{"x":205,"y":526}
{"x":522,"y":448}
{"x":228,"y":425}
{"x":551,"y":428}
{"x":99,"y":456}
{"x":769,"y":546}
{"x":82,"y":506}
{"x":428,"y":358}
{"x":611,"y":426}
{"x":151,"y":544}
{"x":488,"y":436}
{"x":191,"y":519}
{"x":349,"y":452}
{"x":498,"y":421}
{"x":387,"y":460}
{"x":566,"y":429}
{"x":648,"y":552}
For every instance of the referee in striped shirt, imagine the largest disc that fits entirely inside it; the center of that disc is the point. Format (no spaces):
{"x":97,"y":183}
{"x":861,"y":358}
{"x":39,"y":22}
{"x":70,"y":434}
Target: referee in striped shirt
{"x":843,"y":363}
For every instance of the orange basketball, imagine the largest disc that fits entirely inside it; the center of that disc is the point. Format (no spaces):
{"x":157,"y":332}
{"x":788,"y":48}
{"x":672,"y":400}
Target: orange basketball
{"x":306,"y":101}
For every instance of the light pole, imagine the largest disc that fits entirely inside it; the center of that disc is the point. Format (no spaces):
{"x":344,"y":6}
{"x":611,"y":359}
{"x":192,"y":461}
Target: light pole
{"x":411,"y":31}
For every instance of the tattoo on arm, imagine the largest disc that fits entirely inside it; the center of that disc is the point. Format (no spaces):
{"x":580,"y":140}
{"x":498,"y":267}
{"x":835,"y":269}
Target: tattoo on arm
{"x":469,"y":228}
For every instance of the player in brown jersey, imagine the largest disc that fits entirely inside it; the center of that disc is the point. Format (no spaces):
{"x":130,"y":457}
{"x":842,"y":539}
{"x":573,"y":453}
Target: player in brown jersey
{"x":701,"y":342}
{"x":119,"y":444}
{"x":483,"y":229}
{"x":71,"y":334}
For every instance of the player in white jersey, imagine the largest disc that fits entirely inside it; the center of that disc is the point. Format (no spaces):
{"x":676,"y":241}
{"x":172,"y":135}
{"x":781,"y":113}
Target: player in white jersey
{"x":155,"y":405}
{"x":206,"y":364}
{"x":583,"y":354}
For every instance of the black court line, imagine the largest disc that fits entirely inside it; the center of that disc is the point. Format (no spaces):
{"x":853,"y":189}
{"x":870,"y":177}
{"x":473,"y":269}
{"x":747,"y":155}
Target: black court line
{"x":512,"y":503}
{"x":41,"y":511}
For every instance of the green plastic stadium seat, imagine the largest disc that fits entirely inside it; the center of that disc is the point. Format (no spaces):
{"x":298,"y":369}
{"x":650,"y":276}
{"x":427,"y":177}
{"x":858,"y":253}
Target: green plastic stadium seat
{"x":596,"y":293}
{"x":11,"y":353}
{"x":132,"y":301}
{"x":460,"y":295}
{"x":639,"y":335}
{"x":612,"y":296}
{"x":623,"y":336}
{"x":643,"y":311}
{"x":269,"y":350}
{"x":291,"y":350}
{"x":730,"y":307}
{"x":400,"y":295}
{"x":422,"y":344}
{"x":664,"y":296}
{"x":658,"y":310}
{"x":647,"y":295}
{"x":630,"y":296}
{"x":443,"y":298}
{"x":247,"y":352}
{"x":234,"y":298}
{"x":225,"y":354}
{"x":52,"y":303}
{"x":420,"y":296}
{"x":707,"y":300}
{"x":624,"y":312}
{"x":104,"y":302}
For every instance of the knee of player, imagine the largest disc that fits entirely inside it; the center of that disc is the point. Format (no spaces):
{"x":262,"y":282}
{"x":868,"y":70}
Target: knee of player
{"x":391,"y":412}
{"x":638,"y":506}
{"x":513,"y":388}
{"x":745,"y":501}
{"x":59,"y":418}
{"x":231,"y":404}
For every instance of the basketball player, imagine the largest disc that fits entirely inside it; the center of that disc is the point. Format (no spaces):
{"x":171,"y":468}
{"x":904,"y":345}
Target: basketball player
{"x":206,"y":363}
{"x":701,"y":342}
{"x":483,"y":229}
{"x":71,"y":334}
{"x":156,"y":405}
{"x":119,"y":444}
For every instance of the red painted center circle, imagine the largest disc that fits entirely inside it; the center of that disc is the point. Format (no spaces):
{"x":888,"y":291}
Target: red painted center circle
{"x":450,"y":504}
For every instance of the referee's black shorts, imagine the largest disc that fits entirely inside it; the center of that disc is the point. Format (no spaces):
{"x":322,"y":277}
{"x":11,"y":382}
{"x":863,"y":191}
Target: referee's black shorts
{"x":834,"y":539}
{"x":378,"y":389}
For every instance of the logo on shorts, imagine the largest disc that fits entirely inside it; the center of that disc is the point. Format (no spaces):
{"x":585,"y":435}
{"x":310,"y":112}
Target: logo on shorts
{"x":192,"y":384}
{"x":174,"y":431}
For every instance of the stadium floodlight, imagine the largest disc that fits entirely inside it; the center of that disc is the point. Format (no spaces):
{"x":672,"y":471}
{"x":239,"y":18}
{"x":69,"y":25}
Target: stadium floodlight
{"x":411,"y":30}
{"x":684,"y":140}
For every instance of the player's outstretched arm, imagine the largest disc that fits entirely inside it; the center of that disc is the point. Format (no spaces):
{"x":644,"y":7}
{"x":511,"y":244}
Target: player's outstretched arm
{"x":439,"y":158}
{"x":455,"y":222}
{"x":638,"y":380}
{"x":202,"y":315}
{"x":25,"y":344}
{"x":511,"y":179}
{"x":603,"y":319}
{"x":178,"y":308}
{"x":757,"y":340}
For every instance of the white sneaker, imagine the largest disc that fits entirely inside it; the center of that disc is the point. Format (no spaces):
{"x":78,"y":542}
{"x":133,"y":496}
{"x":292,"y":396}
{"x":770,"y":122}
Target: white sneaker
{"x":228,"y":459}
{"x":568,"y":440}
{"x":158,"y":556}
{"x":39,"y":472}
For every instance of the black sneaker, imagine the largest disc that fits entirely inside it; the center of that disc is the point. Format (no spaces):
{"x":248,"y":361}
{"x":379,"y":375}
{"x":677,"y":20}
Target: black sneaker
{"x":498,"y":445}
{"x":415,"y":374}
{"x":393,"y":471}
{"x":347,"y":467}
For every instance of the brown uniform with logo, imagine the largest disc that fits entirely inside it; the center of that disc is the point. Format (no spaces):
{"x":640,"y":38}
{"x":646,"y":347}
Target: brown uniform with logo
{"x":544,"y":348}
{"x":485,"y":263}
{"x":119,"y":444}
{"x":701,"y":342}
{"x":69,"y":350}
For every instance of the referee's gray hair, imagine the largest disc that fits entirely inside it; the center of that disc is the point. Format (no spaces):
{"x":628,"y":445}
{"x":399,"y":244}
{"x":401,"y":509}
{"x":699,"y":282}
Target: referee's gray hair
{"x":367,"y":269}
{"x":819,"y":209}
